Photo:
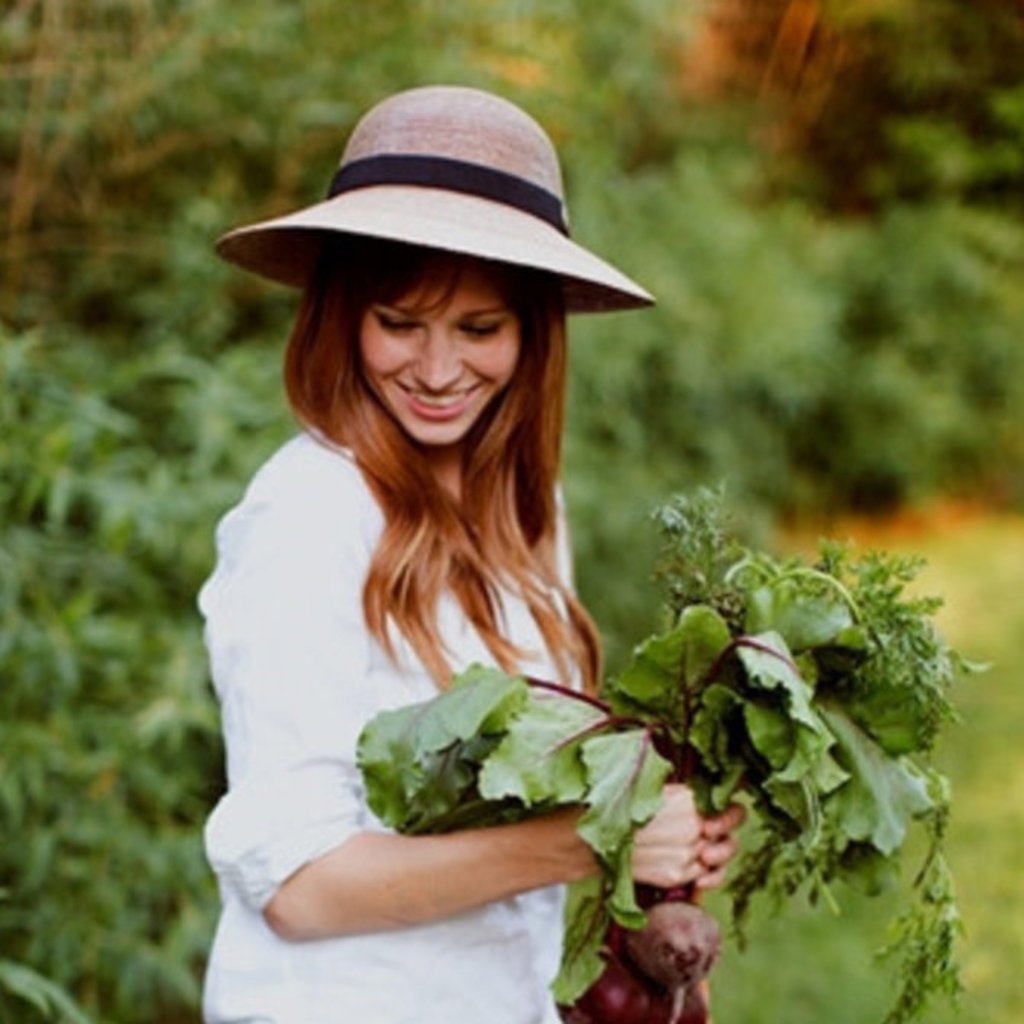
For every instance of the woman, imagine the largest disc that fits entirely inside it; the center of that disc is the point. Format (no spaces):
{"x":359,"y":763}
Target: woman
{"x":412,"y":528}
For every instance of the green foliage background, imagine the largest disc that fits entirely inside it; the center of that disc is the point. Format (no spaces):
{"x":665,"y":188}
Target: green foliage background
{"x":839,"y":327}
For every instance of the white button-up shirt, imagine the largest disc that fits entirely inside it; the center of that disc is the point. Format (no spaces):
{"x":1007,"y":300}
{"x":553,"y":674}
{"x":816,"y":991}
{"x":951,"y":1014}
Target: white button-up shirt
{"x":298,"y":675}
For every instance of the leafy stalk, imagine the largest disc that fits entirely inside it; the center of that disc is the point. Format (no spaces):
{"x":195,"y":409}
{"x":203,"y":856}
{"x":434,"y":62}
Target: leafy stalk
{"x":495,"y":748}
{"x":814,"y":693}
{"x":824,"y":720}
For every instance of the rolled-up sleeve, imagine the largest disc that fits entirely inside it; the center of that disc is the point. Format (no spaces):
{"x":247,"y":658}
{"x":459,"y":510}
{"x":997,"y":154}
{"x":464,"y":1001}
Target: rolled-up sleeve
{"x":288,"y":653}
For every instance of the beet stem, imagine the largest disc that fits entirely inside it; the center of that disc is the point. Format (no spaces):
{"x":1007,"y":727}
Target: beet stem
{"x":543,"y":684}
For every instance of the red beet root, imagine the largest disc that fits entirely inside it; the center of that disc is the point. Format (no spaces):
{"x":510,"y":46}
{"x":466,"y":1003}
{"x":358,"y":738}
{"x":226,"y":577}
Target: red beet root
{"x":620,"y":997}
{"x":677,"y":947}
{"x":653,"y":976}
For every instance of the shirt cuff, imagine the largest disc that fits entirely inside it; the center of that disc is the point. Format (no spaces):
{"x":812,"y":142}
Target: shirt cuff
{"x":263,"y":831}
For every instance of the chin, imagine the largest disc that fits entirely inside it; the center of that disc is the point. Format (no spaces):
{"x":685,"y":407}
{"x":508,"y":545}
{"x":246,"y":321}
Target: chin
{"x":439,"y":438}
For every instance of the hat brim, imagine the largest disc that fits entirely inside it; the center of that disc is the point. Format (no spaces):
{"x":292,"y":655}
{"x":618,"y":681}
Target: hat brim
{"x":286,"y":249}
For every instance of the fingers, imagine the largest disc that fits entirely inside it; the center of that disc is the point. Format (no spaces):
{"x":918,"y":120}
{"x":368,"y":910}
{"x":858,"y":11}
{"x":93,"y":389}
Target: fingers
{"x":721,"y":825}
{"x":716,"y":855}
{"x":667,"y":872}
{"x":666,"y":851}
{"x":714,"y":859}
{"x":719,"y":846}
{"x":678,"y":847}
{"x":710,"y":879}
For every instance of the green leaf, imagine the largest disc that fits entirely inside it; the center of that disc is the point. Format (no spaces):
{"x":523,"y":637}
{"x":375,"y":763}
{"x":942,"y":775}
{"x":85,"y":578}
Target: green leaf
{"x":803,"y":769}
{"x":481,"y":700}
{"x":770,"y":665}
{"x":868,"y":870}
{"x":883,"y":794}
{"x":625,"y":776}
{"x":418,"y":761}
{"x":435,"y":786}
{"x":539,"y":759}
{"x":772,"y":732}
{"x":723,"y":792}
{"x":52,"y":1002}
{"x":795,"y":799}
{"x":794,"y":607}
{"x":712,"y":732}
{"x":850,"y":648}
{"x":669,"y":663}
{"x":898,"y":723}
{"x":586,"y":921}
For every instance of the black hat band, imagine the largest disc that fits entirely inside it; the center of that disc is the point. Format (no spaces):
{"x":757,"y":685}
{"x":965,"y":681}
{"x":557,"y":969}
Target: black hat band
{"x":455,"y":176}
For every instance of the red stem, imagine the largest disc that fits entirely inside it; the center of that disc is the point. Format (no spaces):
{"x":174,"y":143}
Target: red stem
{"x":542,"y":684}
{"x":754,"y":645}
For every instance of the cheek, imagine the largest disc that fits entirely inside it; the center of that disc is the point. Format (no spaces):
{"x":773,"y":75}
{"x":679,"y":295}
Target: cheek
{"x":499,"y":361}
{"x":379,"y":355}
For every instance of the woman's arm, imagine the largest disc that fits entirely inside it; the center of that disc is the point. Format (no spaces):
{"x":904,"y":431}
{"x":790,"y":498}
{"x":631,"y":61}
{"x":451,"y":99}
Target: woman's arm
{"x":377,"y":881}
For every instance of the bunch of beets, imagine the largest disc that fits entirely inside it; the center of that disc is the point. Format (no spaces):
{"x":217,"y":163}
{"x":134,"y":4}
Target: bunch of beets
{"x":813,"y":693}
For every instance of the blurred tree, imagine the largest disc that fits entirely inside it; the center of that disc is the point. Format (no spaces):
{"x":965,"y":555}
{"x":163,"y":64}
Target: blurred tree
{"x":874,"y":101}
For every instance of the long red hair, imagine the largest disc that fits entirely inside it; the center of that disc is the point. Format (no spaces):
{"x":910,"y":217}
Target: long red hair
{"x":503,"y":529}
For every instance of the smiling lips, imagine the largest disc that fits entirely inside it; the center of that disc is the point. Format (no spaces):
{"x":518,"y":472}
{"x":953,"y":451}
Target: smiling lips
{"x":448,"y":406}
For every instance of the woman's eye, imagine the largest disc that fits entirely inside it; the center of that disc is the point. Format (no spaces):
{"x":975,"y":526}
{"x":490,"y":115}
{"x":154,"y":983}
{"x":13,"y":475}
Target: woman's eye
{"x":395,"y":324}
{"x":480,"y":330}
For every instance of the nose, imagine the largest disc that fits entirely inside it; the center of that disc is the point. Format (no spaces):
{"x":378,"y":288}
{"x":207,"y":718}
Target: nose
{"x":438,"y":365}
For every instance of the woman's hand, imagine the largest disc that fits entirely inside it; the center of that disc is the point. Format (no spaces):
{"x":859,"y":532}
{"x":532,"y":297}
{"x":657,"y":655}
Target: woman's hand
{"x":719,"y":845}
{"x":679,"y":846}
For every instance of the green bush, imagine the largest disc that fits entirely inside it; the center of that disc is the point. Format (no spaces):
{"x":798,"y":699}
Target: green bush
{"x":809,"y":361}
{"x":109,"y":745}
{"x":814,"y":365}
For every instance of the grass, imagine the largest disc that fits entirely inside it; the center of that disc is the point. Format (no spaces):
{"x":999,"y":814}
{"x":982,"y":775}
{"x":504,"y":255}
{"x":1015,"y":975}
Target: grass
{"x":805,"y":965}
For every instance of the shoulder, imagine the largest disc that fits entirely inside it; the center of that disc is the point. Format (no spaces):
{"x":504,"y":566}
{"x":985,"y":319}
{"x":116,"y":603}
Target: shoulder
{"x":306,"y":524}
{"x":309,"y":483}
{"x":308,"y":470}
{"x":305,"y":496}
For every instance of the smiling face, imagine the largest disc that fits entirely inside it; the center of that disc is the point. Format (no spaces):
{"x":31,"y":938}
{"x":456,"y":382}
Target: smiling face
{"x":437,"y":356}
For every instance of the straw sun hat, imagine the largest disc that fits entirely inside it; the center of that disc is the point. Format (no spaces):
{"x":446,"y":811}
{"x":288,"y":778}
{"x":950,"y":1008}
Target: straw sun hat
{"x":450,"y":168}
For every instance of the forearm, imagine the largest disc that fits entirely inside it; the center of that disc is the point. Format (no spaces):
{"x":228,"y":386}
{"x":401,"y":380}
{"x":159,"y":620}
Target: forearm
{"x":377,"y":881}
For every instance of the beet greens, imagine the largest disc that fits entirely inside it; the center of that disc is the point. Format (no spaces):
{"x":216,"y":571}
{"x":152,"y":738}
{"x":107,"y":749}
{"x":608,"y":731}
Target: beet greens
{"x":821,"y":710}
{"x":814,"y":693}
{"x":495,"y":748}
